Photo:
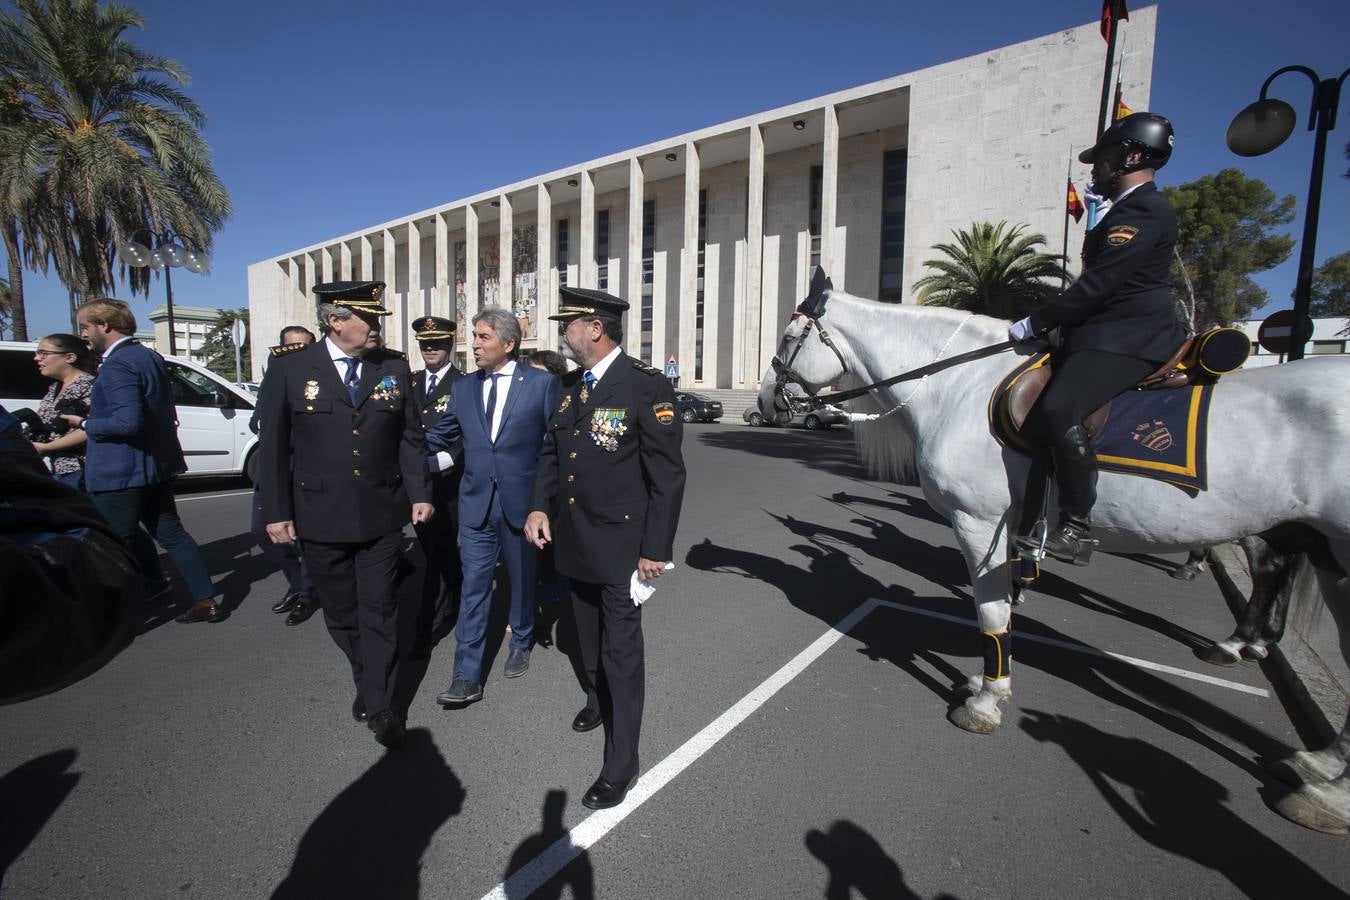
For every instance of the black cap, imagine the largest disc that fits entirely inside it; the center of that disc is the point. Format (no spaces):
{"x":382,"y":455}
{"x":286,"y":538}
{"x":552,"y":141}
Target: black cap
{"x":358,"y":296}
{"x":433,"y":328}
{"x":586,"y":302}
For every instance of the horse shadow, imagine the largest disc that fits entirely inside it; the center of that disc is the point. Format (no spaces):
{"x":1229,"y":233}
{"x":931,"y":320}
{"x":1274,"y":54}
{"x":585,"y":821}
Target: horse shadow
{"x":30,"y":795}
{"x":1178,"y":809}
{"x":857,"y":864}
{"x":369,"y":841}
{"x":828,"y":451}
{"x":940,"y":565}
{"x":576,"y":875}
{"x":893,"y":502}
{"x":1052,"y":585}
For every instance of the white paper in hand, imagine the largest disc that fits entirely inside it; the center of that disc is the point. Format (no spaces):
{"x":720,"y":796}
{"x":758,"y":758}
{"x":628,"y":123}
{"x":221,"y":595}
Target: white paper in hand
{"x":641,"y":591}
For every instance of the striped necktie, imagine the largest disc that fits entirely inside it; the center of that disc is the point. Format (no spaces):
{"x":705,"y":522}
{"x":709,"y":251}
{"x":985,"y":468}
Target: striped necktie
{"x":352,"y":382}
{"x":587,"y":382}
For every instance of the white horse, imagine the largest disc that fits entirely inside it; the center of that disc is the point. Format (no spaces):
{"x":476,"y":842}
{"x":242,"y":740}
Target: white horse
{"x":1277,"y":455}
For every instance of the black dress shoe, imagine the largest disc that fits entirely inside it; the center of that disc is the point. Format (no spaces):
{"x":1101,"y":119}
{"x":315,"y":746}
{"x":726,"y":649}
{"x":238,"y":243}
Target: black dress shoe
{"x":461,"y":691}
{"x":587,"y":720}
{"x":302,"y":611}
{"x":388,"y":729}
{"x":285,"y":604}
{"x":359,"y":709}
{"x":604,"y":793}
{"x":202,"y":611}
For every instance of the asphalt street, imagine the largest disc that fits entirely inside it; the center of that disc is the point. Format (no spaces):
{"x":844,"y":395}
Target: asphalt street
{"x":781,"y":758}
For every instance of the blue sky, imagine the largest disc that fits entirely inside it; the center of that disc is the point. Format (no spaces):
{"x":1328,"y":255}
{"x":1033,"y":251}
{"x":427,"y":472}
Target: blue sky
{"x":329,"y":117}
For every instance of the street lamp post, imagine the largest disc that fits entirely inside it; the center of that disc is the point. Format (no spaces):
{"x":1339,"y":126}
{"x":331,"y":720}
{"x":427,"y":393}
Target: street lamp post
{"x":1265,"y":125}
{"x":169,"y":253}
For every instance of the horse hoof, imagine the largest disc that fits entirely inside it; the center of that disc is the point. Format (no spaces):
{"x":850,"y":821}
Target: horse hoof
{"x":1303,"y":768}
{"x":1216,"y":655}
{"x":1184,"y":573}
{"x":1320,"y":807}
{"x":1253,"y":652}
{"x":974,"y":722}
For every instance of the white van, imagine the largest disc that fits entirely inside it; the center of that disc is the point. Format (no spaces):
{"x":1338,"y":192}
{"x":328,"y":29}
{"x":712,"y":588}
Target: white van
{"x":213,"y":414}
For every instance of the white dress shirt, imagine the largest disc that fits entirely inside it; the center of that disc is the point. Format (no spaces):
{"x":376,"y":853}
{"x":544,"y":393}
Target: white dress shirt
{"x":441,"y":460}
{"x":115,"y":344}
{"x":503,"y":388}
{"x":340,"y":361}
{"x":600,"y":368}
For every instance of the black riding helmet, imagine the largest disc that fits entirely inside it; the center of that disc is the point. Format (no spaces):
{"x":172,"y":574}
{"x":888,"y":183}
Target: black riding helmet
{"x":1148,"y":133}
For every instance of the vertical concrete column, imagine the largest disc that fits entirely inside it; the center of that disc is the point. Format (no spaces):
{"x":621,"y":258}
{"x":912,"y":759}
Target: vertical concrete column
{"x":633,"y":289}
{"x":829,"y":191}
{"x":345,"y":261}
{"x":367,"y":259}
{"x":768,"y":306}
{"x":712,"y":266}
{"x":440,"y":292}
{"x":688,"y":320}
{"x":755,"y":309}
{"x":506,"y":267}
{"x":302,"y":308}
{"x":310,"y":279}
{"x":546,"y":286}
{"x":389,"y":265}
{"x":326,"y":265}
{"x":738,"y":315}
{"x":470,"y":269}
{"x":416,"y":305}
{"x":587,"y":243}
{"x":659,"y":308}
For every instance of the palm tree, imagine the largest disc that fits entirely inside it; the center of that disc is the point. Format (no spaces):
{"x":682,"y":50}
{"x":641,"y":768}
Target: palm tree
{"x":993,"y":270}
{"x":105,"y":145}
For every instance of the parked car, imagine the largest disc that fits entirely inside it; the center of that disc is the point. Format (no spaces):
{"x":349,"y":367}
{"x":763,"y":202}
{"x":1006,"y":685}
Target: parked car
{"x":248,"y":386}
{"x":697,"y":408}
{"x":213,"y":414}
{"x":814,"y":420}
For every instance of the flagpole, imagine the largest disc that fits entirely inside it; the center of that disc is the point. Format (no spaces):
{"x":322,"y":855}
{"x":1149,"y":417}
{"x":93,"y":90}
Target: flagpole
{"x":1110,"y":65}
{"x":1068,"y":176}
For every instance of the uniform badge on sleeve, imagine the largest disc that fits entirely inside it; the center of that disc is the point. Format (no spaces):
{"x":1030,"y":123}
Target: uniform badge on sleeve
{"x":607,"y":426}
{"x":1121,"y":234}
{"x":311,"y":390}
{"x":665,"y":412}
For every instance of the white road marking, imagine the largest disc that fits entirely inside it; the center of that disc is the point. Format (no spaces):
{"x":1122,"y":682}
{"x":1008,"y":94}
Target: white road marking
{"x":1084,"y":648}
{"x":595,"y":826}
{"x":191,"y":497}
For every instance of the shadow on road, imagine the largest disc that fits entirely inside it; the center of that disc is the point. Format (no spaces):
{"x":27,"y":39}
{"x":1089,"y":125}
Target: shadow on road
{"x":857,"y":863}
{"x":370,"y":839}
{"x":577,"y":875}
{"x":29,"y":795}
{"x":1178,"y":809}
{"x":829,"y":451}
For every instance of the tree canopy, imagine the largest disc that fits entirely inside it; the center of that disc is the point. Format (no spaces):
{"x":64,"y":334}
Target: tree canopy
{"x":1224,"y":227}
{"x":218,"y":348}
{"x":994,"y":270}
{"x":1331,"y":287}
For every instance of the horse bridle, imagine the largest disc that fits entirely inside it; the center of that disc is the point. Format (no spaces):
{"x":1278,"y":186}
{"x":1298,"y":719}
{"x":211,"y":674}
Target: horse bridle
{"x":813,"y":310}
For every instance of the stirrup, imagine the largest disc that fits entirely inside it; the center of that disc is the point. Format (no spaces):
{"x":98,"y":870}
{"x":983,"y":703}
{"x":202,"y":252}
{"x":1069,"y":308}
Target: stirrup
{"x":1078,"y":554}
{"x":1034,"y":543}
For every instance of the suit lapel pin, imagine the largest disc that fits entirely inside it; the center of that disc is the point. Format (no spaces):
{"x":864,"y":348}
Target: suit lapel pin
{"x":520,"y":378}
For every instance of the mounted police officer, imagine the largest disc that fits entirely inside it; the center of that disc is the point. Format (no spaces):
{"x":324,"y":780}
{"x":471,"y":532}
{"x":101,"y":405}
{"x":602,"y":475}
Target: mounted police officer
{"x":1118,"y":321}
{"x":607,"y":492}
{"x":343,"y":466}
{"x":439,"y":537}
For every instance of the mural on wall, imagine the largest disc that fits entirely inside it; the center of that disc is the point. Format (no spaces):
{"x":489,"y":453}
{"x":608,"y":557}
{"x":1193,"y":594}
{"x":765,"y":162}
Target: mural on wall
{"x":524,"y":265}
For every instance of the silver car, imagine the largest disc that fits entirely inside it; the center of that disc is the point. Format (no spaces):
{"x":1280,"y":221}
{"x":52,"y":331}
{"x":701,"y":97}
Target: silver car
{"x":814,"y":420}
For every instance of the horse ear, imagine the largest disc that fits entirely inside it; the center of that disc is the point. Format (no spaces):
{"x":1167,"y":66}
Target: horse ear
{"x":814,"y":304}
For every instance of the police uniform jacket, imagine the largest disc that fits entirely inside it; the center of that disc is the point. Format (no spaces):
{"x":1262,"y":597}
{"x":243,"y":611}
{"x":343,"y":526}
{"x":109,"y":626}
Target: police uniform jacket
{"x":430,"y":409}
{"x":1123,"y":301}
{"x":343,"y":473}
{"x":611,"y":473}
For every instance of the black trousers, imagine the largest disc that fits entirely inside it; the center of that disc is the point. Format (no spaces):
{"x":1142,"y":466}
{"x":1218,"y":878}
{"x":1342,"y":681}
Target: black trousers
{"x":609,"y":639}
{"x":289,"y":558}
{"x":439,"y":540}
{"x":356,"y":587}
{"x":1082,"y":382}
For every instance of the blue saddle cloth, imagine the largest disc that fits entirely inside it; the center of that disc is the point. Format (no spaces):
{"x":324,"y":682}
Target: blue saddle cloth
{"x":1156,"y":434}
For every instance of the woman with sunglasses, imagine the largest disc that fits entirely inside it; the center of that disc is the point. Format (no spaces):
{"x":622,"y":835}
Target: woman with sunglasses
{"x":64,"y":359}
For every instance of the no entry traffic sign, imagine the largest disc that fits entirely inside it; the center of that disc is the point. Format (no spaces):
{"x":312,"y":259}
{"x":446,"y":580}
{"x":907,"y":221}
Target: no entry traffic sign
{"x":1276,"y":333}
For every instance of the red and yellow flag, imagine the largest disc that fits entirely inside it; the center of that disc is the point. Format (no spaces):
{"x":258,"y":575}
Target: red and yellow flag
{"x":1073,"y":206}
{"x":1113,"y":11}
{"x":1121,"y":109}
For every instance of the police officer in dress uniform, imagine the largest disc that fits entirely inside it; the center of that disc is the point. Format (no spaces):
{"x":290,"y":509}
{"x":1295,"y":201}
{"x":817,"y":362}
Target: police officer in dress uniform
{"x":439,"y":537}
{"x":608,"y":488}
{"x":1118,"y":322}
{"x":344,"y":466}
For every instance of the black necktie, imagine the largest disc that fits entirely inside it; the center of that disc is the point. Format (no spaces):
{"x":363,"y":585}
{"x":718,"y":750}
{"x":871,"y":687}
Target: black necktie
{"x":491,"y":404}
{"x":353,"y":383}
{"x":431,"y":382}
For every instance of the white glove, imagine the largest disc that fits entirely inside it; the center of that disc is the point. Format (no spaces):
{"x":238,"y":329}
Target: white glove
{"x":641,"y":591}
{"x":1021,"y":330}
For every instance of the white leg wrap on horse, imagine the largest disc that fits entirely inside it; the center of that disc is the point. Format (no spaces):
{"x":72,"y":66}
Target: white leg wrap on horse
{"x":1322,"y":806}
{"x":980,"y":713}
{"x":1308,"y":767}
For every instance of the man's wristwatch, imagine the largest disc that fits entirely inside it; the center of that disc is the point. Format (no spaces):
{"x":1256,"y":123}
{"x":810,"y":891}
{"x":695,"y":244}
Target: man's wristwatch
{"x":82,"y":424}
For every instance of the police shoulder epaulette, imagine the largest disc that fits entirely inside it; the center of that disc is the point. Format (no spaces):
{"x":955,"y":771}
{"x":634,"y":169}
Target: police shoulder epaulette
{"x":644,"y":368}
{"x":283,"y":349}
{"x":381,"y":354}
{"x":569,"y":379}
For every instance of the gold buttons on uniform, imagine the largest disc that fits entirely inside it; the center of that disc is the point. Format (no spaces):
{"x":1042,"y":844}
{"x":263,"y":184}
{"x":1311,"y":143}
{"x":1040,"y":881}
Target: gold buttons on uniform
{"x":571,"y":478}
{"x":572,"y":455}
{"x":356,"y":452}
{"x":356,"y":431}
{"x":575,"y":433}
{"x":356,"y":472}
{"x":625,"y":517}
{"x":309,"y":409}
{"x":571,"y":500}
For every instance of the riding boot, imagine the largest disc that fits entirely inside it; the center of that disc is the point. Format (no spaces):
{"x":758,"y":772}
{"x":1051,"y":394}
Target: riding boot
{"x":1076,"y":476}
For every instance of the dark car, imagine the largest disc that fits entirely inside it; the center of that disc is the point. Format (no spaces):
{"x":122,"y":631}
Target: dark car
{"x":814,"y":420}
{"x":697,"y":408}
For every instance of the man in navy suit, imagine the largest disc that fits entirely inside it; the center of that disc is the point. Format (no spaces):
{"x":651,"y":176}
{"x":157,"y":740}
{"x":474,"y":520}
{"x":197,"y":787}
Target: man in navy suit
{"x":133,"y":452}
{"x":500,"y":415}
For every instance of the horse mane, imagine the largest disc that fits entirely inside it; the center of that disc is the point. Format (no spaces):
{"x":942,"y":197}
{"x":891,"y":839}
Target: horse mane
{"x":885,"y":445}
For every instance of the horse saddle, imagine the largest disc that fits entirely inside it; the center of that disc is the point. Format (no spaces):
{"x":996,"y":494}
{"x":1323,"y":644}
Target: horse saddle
{"x":1200,"y":359}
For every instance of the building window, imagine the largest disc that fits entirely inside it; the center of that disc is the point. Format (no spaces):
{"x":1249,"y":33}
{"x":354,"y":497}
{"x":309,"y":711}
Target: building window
{"x":1327,"y":347}
{"x":817,"y":187}
{"x":698,"y":298}
{"x":602,"y":249}
{"x":648,"y":277}
{"x":894,"y":173}
{"x":562,"y":253}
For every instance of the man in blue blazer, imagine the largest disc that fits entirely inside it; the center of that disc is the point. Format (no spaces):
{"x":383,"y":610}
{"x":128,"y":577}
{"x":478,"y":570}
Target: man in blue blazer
{"x":500,"y":415}
{"x":133,"y":452}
